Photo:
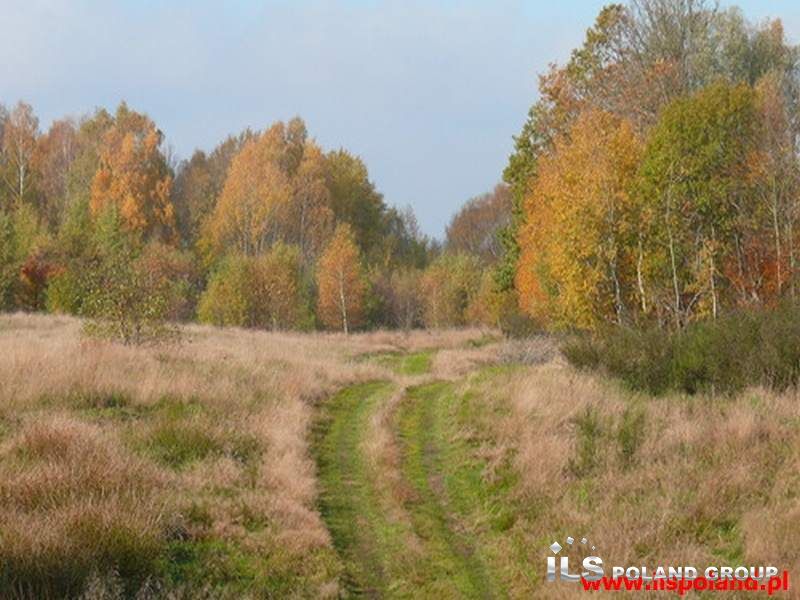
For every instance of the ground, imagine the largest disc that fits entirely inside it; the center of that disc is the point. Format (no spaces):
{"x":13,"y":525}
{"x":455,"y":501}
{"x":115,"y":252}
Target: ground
{"x":385,"y":465}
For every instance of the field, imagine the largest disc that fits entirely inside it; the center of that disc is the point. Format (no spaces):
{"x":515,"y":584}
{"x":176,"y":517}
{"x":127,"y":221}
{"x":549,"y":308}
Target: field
{"x":441,"y":464}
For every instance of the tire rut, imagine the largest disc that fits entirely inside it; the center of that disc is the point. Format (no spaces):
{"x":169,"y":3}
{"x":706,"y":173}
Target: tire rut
{"x":424,"y":446}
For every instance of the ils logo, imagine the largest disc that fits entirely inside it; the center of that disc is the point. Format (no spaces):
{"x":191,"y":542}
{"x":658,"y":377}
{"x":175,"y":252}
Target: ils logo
{"x":592,"y":566}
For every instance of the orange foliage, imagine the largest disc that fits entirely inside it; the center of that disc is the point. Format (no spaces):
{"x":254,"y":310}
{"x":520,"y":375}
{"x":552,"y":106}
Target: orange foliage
{"x":134,"y":177}
{"x":342,"y":289}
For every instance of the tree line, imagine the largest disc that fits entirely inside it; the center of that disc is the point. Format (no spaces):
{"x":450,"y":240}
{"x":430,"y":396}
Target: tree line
{"x":267,"y":230}
{"x":656,"y":180}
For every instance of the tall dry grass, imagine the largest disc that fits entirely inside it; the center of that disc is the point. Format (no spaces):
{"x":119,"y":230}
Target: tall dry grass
{"x":674,"y":480}
{"x":113,"y":458}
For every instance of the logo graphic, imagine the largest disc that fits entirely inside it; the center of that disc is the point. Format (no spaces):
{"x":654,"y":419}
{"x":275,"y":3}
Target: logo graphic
{"x":592,"y":565}
{"x":681,"y":579}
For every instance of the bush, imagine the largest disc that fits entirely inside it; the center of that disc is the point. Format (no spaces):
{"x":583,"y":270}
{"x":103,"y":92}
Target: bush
{"x":124,"y":298}
{"x":65,"y":292}
{"x":748,"y":347}
{"x":264,"y":291}
{"x":589,"y":432}
{"x":226,"y":300}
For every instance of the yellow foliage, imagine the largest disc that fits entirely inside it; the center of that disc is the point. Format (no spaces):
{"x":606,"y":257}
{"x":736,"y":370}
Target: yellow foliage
{"x":256,"y":193}
{"x":580,"y":217}
{"x":341,"y":283}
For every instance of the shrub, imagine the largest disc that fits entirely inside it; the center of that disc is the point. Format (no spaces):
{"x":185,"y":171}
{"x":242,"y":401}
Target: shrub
{"x":125,"y":300}
{"x":265,"y":291}
{"x":177,"y":272}
{"x":630,"y":434}
{"x":589,"y":434}
{"x":126,"y":304}
{"x":66,"y":291}
{"x":748,"y":347}
{"x":226,"y":300}
{"x":8,"y":267}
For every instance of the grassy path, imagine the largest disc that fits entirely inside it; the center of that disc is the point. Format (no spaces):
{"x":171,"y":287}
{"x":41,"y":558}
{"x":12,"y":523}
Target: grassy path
{"x":347,"y":502}
{"x":431,"y":540}
{"x":446,"y":488}
{"x":414,"y":363}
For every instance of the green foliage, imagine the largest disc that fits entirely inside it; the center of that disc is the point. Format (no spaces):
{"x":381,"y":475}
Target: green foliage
{"x":226,"y":300}
{"x":587,"y":442}
{"x":65,"y":293}
{"x":748,"y":347}
{"x":630,"y":434}
{"x":354,"y":200}
{"x":267,"y":291}
{"x":124,"y":301}
{"x":8,"y":269}
{"x":24,"y":260}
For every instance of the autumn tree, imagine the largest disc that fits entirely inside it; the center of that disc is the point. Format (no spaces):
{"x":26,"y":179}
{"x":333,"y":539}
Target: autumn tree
{"x":20,"y":132}
{"x":581,"y":234}
{"x":771,"y":268}
{"x":475,"y":228}
{"x":252,"y":208}
{"x":637,"y":62}
{"x":56,"y":151}
{"x":90,"y":137}
{"x":199,"y":183}
{"x":448,"y":286}
{"x":312,"y":219}
{"x":134,"y":176}
{"x":694,"y":180}
{"x":340,"y":282}
{"x":274,"y":192}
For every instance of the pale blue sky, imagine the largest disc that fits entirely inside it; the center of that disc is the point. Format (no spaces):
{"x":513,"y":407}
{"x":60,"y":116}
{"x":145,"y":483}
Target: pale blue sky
{"x":428,"y":93}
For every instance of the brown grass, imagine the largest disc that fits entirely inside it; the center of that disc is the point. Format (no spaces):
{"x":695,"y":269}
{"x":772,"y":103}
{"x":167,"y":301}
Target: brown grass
{"x":707,"y":481}
{"x":112,"y":456}
{"x":204,"y":440}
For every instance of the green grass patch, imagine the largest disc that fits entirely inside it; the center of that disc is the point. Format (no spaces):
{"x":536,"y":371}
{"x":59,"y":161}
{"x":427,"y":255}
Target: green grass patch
{"x":448,"y":486}
{"x":368,"y":542}
{"x":178,"y":444}
{"x":227,"y":569}
{"x":415,"y":363}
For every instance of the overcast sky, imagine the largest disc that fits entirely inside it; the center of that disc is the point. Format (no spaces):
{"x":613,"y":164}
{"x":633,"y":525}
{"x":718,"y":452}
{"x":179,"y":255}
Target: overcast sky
{"x":427,"y":93}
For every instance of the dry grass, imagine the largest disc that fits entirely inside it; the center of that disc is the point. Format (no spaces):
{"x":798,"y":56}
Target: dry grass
{"x":190,"y":464}
{"x":155,"y":449}
{"x":687,"y":480}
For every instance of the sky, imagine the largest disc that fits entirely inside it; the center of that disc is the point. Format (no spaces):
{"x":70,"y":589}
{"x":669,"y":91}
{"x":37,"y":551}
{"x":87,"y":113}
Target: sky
{"x":428,"y":93}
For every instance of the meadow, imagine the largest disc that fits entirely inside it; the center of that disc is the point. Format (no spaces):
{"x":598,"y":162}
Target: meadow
{"x":245,"y":464}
